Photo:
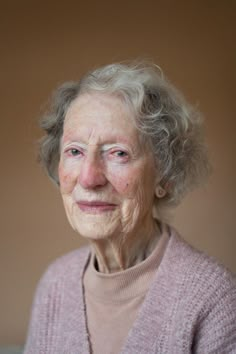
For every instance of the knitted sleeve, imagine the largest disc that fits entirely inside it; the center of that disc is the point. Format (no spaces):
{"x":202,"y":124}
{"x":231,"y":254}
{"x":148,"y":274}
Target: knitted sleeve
{"x":203,"y":316}
{"x":42,"y":322}
{"x":58,"y":321}
{"x":216,"y":333}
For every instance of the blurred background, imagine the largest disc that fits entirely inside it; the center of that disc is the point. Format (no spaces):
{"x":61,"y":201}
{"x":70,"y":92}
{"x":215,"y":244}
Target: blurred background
{"x":44,"y":44}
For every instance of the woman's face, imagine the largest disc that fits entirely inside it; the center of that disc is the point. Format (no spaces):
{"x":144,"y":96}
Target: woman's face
{"x":107,"y":176}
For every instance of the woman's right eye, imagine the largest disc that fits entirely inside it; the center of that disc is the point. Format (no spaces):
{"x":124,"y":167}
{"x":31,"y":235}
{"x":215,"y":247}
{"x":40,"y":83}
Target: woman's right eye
{"x":74,"y":152}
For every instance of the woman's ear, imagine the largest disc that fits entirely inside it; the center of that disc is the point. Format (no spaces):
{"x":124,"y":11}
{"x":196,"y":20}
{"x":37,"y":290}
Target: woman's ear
{"x":160,"y":192}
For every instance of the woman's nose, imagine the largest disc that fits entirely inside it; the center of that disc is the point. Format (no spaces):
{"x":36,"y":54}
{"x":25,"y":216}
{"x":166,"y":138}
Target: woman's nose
{"x":92,"y":174}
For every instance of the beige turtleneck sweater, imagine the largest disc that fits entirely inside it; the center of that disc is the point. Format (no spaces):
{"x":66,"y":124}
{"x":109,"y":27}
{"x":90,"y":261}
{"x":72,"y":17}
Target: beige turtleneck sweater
{"x":113,"y":300}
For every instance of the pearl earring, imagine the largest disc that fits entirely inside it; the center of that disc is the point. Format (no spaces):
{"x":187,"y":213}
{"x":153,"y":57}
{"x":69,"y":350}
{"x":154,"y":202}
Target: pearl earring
{"x":160,"y":192}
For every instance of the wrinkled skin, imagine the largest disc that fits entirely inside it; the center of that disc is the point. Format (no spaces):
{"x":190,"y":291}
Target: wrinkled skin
{"x":108,"y":180}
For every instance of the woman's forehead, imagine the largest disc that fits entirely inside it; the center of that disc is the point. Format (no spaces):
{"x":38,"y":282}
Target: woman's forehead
{"x":104,"y":102}
{"x":101,"y":114}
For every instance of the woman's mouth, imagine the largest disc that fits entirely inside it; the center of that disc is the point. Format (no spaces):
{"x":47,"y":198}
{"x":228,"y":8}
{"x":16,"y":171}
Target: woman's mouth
{"x":95,"y":207}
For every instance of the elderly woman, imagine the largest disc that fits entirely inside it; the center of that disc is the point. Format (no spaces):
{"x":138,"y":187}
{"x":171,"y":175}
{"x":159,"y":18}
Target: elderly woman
{"x":123,"y":145}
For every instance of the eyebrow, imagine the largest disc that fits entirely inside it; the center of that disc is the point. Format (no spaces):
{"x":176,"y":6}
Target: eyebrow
{"x":106,"y":147}
{"x":113,"y":139}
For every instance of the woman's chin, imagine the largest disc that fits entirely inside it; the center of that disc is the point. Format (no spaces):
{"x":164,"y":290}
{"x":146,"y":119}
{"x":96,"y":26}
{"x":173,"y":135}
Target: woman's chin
{"x":95,"y":230}
{"x":95,"y":225}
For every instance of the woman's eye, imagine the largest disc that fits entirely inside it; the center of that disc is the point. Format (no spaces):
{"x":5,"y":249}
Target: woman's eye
{"x":75,"y":152}
{"x":120,"y":154}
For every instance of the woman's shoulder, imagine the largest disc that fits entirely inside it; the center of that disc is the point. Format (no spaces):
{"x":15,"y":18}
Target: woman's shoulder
{"x":196,"y":268}
{"x":203,"y":293}
{"x":64,"y":268}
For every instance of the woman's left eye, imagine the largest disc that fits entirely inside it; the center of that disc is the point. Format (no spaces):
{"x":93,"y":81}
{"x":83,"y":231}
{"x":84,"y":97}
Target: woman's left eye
{"x":120,"y":153}
{"x":119,"y":156}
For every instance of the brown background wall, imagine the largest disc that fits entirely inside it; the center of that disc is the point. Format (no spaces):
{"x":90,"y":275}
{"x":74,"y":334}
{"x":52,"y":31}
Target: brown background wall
{"x":44,"y":45}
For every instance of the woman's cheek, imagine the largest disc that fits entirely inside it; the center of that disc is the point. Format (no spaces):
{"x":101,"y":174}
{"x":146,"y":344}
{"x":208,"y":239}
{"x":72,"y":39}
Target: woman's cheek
{"x":123,"y":182}
{"x":67,"y":179}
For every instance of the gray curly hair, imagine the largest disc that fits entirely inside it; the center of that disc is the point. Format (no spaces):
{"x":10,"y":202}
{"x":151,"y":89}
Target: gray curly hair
{"x":164,"y":118}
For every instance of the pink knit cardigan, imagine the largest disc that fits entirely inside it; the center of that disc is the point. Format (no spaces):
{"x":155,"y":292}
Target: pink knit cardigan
{"x":189,"y":308}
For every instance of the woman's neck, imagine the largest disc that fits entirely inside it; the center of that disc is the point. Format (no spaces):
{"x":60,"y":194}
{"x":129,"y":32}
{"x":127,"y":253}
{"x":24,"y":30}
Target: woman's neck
{"x":124,"y":251}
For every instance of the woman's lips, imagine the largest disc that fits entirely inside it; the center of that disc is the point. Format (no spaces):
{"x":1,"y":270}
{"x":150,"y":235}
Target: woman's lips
{"x":95,"y":207}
